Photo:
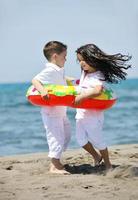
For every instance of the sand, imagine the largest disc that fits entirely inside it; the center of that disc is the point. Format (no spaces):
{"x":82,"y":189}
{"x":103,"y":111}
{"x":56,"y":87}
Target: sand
{"x":26,"y":177}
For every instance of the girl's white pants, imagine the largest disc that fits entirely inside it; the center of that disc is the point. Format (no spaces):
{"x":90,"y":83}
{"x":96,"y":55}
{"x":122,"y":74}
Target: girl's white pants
{"x":90,"y":130}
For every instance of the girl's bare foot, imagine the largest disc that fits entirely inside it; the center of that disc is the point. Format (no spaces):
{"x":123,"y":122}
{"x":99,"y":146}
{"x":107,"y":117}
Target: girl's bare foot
{"x":108,"y":167}
{"x":97,"y":161}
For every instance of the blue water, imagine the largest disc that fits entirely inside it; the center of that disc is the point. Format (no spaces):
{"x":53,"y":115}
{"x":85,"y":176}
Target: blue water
{"x":21,"y":128}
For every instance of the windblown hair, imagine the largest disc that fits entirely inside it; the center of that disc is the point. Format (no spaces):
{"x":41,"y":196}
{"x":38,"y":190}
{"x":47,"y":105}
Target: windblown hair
{"x":53,"y":47}
{"x":112,"y":66}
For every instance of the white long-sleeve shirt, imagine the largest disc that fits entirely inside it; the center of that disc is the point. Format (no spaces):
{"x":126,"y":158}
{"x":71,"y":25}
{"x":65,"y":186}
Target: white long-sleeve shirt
{"x":86,"y":82}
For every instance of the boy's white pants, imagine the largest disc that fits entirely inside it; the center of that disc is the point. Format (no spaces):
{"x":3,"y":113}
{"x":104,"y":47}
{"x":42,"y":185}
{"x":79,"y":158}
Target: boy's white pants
{"x":90,"y":130}
{"x":58,"y":132}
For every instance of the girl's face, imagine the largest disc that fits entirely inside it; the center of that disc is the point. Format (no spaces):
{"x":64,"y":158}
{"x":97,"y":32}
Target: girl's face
{"x":87,"y":68}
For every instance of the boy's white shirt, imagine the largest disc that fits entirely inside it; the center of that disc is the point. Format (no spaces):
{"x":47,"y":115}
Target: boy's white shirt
{"x":52,"y":74}
{"x":86,"y":82}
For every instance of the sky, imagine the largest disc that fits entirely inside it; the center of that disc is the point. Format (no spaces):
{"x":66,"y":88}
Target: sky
{"x":27,"y":25}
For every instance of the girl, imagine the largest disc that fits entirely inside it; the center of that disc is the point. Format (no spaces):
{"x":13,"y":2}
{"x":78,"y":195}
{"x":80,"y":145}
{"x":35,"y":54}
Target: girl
{"x":97,"y":68}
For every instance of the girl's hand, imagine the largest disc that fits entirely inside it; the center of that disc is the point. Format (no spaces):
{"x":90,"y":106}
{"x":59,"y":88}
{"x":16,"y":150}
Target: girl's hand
{"x":78,"y":99}
{"x":69,"y":78}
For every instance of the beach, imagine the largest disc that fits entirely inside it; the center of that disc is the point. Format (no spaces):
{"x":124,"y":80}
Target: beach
{"x":27,"y":177}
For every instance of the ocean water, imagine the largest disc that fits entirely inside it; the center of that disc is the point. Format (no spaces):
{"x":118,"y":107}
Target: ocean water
{"x":21,"y":128}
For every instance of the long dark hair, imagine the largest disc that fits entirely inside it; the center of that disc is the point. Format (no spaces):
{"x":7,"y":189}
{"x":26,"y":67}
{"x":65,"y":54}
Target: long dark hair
{"x":112,"y":66}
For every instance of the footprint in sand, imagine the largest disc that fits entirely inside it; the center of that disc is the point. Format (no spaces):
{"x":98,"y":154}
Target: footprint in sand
{"x":9,"y":167}
{"x":88,"y":187}
{"x":135,"y":155}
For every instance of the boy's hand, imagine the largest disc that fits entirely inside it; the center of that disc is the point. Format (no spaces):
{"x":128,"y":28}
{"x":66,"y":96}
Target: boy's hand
{"x":44,"y":94}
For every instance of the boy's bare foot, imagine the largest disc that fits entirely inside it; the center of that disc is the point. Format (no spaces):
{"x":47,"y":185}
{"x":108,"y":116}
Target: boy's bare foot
{"x":56,"y":167}
{"x":56,"y":163}
{"x":59,"y":171}
{"x":55,"y":170}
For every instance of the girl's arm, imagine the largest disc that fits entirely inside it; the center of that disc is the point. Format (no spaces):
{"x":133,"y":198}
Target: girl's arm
{"x":39,"y":86}
{"x":90,"y":93}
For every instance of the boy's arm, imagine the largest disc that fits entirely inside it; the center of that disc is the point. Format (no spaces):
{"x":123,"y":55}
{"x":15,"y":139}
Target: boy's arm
{"x":93,"y":92}
{"x":39,"y":86}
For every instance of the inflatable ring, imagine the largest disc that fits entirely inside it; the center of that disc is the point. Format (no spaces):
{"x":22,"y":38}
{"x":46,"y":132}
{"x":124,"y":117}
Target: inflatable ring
{"x":60,"y":95}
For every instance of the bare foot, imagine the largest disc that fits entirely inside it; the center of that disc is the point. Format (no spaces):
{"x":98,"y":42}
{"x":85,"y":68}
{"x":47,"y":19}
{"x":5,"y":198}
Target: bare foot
{"x":54,"y":170}
{"x":108,"y":166}
{"x":55,"y":163}
{"x":98,"y":161}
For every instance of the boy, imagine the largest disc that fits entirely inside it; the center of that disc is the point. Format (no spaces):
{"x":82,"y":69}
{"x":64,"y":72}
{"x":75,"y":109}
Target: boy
{"x":54,"y":118}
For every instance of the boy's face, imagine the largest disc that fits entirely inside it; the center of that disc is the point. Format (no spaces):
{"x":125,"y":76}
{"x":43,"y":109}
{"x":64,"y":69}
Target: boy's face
{"x":61,"y":58}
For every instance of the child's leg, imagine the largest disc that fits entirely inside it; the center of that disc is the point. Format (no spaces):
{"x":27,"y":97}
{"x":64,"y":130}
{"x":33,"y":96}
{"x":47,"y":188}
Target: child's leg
{"x":82,"y":139}
{"x":55,"y":139}
{"x":95,"y":135}
{"x":105,"y":156}
{"x":67,"y":132}
{"x":90,"y":149}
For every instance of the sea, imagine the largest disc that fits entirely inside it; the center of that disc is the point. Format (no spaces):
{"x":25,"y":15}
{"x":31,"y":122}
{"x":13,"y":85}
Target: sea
{"x":22,"y":131}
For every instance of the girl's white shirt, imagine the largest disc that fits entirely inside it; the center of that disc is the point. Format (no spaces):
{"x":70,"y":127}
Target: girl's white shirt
{"x":88,"y":82}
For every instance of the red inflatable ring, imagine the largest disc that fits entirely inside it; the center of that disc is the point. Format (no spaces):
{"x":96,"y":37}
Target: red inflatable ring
{"x":64,"y":96}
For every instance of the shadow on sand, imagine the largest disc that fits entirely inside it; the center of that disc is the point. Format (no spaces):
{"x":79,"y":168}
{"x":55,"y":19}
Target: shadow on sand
{"x":87,"y":169}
